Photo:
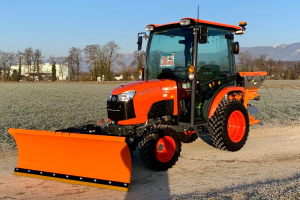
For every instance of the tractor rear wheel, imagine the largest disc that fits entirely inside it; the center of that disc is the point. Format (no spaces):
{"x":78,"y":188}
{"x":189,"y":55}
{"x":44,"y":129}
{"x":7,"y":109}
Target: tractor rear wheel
{"x":230,"y":126}
{"x":160,"y":147}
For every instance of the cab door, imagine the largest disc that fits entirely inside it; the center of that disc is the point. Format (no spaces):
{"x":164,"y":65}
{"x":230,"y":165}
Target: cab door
{"x":214,"y":69}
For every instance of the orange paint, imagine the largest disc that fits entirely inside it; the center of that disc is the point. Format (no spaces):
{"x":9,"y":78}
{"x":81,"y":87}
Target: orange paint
{"x":218,"y":98}
{"x":250,"y":94}
{"x":93,"y":156}
{"x":147,"y":93}
{"x":252,"y":120}
{"x":253,"y":74}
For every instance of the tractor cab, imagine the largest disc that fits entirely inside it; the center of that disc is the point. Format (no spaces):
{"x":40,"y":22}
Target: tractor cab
{"x":199,"y":56}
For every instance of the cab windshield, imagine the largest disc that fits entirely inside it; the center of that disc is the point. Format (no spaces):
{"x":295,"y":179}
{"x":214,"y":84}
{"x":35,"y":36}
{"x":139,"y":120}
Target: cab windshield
{"x":170,"y":52}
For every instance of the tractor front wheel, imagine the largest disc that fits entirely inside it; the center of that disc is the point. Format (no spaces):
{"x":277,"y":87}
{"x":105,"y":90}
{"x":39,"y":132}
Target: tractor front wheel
{"x":230,"y":126}
{"x":160,"y":147}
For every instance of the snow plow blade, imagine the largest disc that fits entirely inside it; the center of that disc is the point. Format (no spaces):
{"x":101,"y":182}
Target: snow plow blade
{"x":84,"y":159}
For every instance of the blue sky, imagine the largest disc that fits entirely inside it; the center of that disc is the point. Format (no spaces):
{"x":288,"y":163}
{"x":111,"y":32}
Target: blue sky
{"x":56,"y":25}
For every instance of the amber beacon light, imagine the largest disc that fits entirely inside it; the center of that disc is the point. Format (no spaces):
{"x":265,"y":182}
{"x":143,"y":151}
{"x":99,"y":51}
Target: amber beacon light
{"x":191,"y":72}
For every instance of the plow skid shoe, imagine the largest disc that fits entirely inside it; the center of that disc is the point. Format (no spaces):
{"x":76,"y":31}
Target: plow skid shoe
{"x":92,"y":160}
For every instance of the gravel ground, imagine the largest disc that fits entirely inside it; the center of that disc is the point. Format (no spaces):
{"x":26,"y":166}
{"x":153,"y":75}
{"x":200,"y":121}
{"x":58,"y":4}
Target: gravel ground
{"x":288,"y":188}
{"x":268,"y":167}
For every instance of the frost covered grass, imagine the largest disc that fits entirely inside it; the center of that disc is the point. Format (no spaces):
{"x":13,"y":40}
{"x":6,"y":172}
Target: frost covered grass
{"x":50,"y":106}
{"x":56,"y":106}
{"x":278,"y":106}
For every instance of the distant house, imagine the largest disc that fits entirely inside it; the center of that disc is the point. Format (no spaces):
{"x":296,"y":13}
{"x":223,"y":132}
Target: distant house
{"x":62,"y":72}
{"x":99,"y":78}
{"x":118,"y":77}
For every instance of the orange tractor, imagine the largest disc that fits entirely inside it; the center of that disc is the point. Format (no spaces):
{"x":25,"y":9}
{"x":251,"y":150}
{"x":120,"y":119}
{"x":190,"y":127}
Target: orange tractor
{"x":188,"y":88}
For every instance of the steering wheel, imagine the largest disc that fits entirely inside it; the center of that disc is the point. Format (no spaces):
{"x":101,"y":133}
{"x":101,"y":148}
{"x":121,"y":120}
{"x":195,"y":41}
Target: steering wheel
{"x":178,"y":70}
{"x":179,"y":67}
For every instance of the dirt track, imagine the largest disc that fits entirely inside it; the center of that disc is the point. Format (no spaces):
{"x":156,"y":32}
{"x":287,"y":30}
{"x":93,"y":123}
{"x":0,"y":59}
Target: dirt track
{"x":270,"y":153}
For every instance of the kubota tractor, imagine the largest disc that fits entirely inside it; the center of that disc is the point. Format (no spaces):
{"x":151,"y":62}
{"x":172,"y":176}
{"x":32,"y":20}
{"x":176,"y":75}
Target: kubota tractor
{"x":188,"y":88}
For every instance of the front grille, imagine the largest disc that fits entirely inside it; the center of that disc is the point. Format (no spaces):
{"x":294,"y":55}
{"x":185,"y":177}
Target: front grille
{"x":118,"y":110}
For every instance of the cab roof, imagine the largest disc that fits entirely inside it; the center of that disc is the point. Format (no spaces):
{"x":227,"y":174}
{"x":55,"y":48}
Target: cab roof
{"x":202,"y":22}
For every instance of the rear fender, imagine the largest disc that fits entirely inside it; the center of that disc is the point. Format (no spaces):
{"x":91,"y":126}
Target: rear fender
{"x":218,"y":98}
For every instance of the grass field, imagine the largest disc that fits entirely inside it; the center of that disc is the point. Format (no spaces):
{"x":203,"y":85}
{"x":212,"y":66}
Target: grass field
{"x":50,"y":106}
{"x":55,"y":106}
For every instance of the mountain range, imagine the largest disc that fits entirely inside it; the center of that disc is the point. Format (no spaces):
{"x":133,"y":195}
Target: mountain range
{"x":290,"y":52}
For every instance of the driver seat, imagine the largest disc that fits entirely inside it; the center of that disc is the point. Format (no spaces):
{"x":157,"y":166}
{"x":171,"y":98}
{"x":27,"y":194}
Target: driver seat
{"x":166,"y":73}
{"x":208,"y":73}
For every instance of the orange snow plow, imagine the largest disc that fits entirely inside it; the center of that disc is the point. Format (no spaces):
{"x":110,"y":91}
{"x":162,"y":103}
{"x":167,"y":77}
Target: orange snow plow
{"x":92,"y":160}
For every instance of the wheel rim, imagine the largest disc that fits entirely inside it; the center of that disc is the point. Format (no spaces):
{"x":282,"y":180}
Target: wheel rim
{"x":236,"y":126}
{"x":165,"y":149}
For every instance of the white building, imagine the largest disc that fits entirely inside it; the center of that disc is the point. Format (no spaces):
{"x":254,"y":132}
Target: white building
{"x":62,"y":71}
{"x":118,"y":77}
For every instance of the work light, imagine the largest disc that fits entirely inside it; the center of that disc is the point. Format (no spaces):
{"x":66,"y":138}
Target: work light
{"x":149,"y":28}
{"x":185,"y":22}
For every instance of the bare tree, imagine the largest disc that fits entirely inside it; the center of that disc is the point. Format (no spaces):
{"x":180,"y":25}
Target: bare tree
{"x":12,"y":59}
{"x":246,"y":61}
{"x":4,"y":63}
{"x":261,"y":62}
{"x":62,"y":65}
{"x":279,"y":69}
{"x":20,"y":57}
{"x":270,"y":66}
{"x":28,"y":59}
{"x":126,"y":71}
{"x":74,"y":58}
{"x":92,"y":54}
{"x":53,"y":60}
{"x":113,"y":55}
{"x":37,"y":62}
{"x":138,"y":62}
{"x":103,"y":58}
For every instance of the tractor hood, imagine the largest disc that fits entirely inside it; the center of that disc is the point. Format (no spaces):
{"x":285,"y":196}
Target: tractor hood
{"x":140,"y":86}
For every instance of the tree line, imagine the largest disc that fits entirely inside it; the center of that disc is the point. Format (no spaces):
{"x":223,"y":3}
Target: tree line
{"x":276,"y":69}
{"x":100,"y":59}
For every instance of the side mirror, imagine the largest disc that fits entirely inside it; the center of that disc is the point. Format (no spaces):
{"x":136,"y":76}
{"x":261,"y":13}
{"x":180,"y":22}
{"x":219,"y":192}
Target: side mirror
{"x":140,"y":42}
{"x":235,"y":48}
{"x":202,"y":35}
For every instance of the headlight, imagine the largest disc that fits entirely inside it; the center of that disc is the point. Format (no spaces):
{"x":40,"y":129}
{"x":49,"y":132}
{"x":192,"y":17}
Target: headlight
{"x":109,"y":98}
{"x":126,"y":96}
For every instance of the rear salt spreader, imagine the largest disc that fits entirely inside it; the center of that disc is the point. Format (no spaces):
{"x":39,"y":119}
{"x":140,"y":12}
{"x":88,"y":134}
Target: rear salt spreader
{"x":188,"y":88}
